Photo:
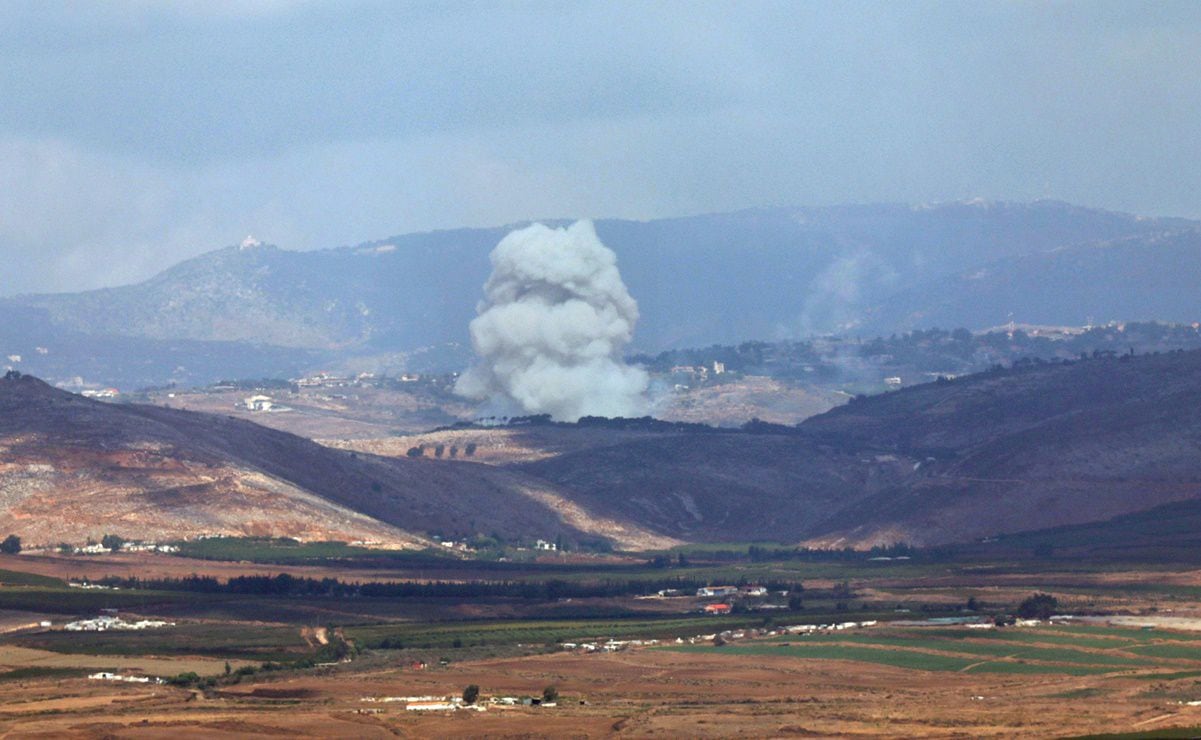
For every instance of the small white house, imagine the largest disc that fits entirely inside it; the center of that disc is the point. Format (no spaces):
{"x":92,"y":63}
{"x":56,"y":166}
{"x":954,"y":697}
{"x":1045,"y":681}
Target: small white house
{"x":711,"y":591}
{"x":259,"y":403}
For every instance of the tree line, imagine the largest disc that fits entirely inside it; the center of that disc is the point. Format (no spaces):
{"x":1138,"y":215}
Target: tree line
{"x":284,"y":584}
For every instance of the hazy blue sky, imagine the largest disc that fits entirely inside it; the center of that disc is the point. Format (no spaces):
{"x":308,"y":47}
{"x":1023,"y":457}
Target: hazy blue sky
{"x":134,"y":134}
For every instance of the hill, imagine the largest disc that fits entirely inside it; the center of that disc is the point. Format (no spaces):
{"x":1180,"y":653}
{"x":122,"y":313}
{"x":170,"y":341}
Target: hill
{"x":72,"y":469}
{"x":1137,"y":278}
{"x":699,"y":280}
{"x":1037,"y":446}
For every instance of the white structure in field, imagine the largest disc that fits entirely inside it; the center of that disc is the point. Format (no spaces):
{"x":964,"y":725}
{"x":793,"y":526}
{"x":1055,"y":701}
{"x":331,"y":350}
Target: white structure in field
{"x":108,"y":623}
{"x":258,"y":403}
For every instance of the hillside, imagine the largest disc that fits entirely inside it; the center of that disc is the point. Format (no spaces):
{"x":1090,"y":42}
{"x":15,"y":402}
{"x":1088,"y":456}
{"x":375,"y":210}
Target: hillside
{"x":71,"y":468}
{"x":1039,"y":446}
{"x":1137,"y":278}
{"x":1044,"y":447}
{"x":698,"y":280}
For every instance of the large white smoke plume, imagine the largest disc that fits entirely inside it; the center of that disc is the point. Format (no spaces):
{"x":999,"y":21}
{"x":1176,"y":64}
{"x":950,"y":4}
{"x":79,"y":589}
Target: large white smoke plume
{"x":551,"y":327}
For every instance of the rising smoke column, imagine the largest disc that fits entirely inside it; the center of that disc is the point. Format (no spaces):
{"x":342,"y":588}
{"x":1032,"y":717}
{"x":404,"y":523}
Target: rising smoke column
{"x":551,"y":328}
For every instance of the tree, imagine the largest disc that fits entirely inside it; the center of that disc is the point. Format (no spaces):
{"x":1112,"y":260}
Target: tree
{"x":1038,"y":606}
{"x":112,"y":542}
{"x":469,"y":450}
{"x":439,"y":450}
{"x":972,"y":604}
{"x":550,"y":695}
{"x":417,"y":451}
{"x":11,"y":545}
{"x":470,"y":694}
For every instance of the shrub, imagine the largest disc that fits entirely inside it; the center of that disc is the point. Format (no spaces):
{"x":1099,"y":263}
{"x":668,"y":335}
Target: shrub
{"x":1038,"y":606}
{"x":471,"y":693}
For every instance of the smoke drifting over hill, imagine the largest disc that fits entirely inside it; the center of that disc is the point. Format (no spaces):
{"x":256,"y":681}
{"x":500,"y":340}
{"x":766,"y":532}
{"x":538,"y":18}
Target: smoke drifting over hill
{"x":551,"y":328}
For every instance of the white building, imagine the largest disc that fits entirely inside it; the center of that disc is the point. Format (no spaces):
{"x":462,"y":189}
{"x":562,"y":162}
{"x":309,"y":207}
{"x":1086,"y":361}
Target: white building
{"x":258,"y":403}
{"x":710,"y":591}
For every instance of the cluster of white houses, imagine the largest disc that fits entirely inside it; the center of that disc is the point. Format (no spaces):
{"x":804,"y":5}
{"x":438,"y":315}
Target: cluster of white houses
{"x":708,"y":592}
{"x":454,"y":703}
{"x":106,"y":676}
{"x":108,"y":623}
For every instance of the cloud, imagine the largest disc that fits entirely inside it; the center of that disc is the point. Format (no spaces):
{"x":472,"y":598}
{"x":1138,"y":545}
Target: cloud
{"x":138,"y":133}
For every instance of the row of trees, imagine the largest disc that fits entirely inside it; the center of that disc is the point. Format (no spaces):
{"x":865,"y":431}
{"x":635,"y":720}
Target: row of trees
{"x":440,"y":450}
{"x":289,"y":585}
{"x":11,"y":545}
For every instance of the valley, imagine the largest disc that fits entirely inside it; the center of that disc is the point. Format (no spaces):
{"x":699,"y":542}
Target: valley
{"x":917,"y":653}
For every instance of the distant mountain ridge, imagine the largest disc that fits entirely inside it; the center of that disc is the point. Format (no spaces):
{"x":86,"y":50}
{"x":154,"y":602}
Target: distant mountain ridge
{"x":761,"y":273}
{"x":1149,"y":277}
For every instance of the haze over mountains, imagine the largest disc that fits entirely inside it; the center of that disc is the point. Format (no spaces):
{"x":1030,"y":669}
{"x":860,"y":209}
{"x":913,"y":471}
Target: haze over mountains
{"x":764,"y":273}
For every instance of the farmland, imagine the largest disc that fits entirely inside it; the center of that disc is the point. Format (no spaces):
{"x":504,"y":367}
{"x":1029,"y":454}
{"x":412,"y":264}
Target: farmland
{"x":307,"y":655}
{"x":1048,"y":650}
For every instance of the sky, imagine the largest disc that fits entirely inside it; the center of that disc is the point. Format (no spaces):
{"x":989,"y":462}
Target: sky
{"x":136,"y":134}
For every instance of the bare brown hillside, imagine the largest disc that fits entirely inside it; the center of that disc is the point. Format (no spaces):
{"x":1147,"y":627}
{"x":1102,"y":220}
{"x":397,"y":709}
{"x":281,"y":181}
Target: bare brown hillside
{"x":72,"y":468}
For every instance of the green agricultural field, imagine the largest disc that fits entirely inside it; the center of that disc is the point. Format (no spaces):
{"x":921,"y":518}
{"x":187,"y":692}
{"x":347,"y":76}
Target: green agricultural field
{"x":983,"y":648}
{"x":1080,"y":652}
{"x":59,"y":600}
{"x":912,"y":659}
{"x":18,"y":578}
{"x":540,"y":632}
{"x":235,"y":641}
{"x":1046,"y":637}
{"x":1172,"y":650}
